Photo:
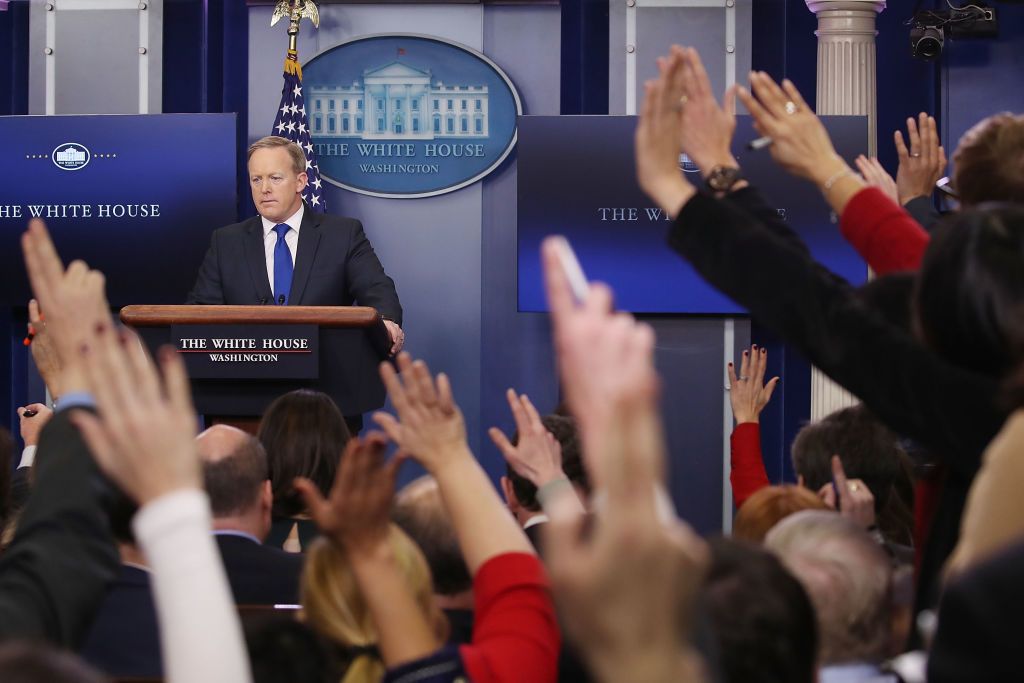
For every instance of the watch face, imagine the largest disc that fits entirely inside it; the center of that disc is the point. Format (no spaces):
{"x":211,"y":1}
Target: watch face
{"x":723,"y":178}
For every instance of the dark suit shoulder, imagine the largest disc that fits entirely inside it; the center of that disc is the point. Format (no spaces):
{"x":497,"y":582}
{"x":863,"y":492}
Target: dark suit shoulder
{"x":259,"y":574}
{"x":239,"y":546}
{"x":237,"y":229}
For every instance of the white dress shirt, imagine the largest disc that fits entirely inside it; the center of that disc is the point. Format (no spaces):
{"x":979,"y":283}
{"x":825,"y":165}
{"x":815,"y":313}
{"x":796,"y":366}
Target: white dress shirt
{"x":291,"y":238}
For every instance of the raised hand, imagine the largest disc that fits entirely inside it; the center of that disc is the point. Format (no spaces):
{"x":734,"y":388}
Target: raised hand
{"x":855,"y":502}
{"x":748,"y":392}
{"x":73,"y":301}
{"x":605,"y":359}
{"x":800,"y":143}
{"x":430,"y":426}
{"x":537,"y":455}
{"x":31,"y":426}
{"x":658,"y":138}
{"x":144,"y":435}
{"x":357,"y":513}
{"x":44,"y":353}
{"x":706,"y":129}
{"x":876,"y":176}
{"x":627,"y":589}
{"x":923,"y":164}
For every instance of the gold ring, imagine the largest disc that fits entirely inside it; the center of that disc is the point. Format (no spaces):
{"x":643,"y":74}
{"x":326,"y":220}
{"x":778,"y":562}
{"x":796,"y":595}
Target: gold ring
{"x":683,"y":100}
{"x":854,"y":488}
{"x":791,"y":107}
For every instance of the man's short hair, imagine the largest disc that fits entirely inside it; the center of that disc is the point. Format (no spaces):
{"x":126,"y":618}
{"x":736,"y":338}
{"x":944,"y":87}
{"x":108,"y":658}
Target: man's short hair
{"x":848,"y":577}
{"x":761,"y":616}
{"x":989,"y":161}
{"x":234,"y":481}
{"x":420,"y":513}
{"x":869,"y":452}
{"x":272,"y":141}
{"x":564,"y":430}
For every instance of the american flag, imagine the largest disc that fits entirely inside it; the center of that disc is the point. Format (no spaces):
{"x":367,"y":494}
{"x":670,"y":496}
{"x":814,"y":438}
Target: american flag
{"x":291,"y":122}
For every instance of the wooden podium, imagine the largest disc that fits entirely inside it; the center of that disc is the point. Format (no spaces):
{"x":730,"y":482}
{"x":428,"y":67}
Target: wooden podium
{"x":349,"y":343}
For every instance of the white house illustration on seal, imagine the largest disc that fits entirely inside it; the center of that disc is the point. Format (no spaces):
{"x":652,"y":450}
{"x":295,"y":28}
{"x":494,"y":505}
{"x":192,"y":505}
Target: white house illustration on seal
{"x":397,"y":101}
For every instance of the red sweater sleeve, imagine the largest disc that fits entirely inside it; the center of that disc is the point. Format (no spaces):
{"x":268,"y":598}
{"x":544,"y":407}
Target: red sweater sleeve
{"x":882,"y":232}
{"x":747,"y":474}
{"x":515,"y":632}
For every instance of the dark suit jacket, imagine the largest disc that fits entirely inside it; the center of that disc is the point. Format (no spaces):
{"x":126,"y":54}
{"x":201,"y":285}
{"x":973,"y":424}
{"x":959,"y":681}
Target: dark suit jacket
{"x":124,"y":641}
{"x":979,"y":634}
{"x":334,"y":266}
{"x":54,"y":573}
{"x":259,"y":574}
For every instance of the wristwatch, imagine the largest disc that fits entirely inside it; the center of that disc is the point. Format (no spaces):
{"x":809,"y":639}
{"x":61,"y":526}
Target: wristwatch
{"x":722,"y":178}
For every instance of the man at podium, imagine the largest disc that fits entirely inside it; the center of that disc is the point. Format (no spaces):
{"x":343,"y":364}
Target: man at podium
{"x":289,"y":254}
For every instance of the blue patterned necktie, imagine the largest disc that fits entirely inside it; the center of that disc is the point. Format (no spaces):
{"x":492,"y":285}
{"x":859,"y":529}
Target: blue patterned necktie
{"x":282,"y":265}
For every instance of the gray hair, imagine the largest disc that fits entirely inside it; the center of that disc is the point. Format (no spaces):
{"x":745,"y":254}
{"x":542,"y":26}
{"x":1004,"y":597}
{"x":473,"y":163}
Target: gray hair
{"x":848,"y":577}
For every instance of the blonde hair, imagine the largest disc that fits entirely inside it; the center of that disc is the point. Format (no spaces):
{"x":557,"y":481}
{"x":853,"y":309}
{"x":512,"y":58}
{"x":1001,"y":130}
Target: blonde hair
{"x":273,"y":141}
{"x":334,"y":606}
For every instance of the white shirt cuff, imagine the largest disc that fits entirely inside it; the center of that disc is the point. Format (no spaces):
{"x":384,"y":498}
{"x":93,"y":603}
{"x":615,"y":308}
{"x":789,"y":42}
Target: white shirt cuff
{"x":28,"y":457}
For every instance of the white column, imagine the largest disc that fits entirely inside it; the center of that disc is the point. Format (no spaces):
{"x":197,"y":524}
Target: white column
{"x":846,"y":58}
{"x":846,"y":85}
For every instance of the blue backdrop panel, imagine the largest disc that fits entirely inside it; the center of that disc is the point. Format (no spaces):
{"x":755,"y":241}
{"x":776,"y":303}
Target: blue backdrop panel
{"x":140,"y":209}
{"x":576,"y":177}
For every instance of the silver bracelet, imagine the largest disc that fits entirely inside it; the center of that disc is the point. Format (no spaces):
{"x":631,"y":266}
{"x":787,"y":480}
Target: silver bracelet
{"x":836,"y":177}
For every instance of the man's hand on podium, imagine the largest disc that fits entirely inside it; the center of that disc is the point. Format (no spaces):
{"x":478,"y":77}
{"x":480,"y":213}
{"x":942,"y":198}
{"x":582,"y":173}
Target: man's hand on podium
{"x":397,"y":336}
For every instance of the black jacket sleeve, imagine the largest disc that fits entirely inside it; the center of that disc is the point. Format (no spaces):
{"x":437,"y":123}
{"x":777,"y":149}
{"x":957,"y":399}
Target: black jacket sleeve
{"x":945,"y":408}
{"x":922,"y":210}
{"x":367,"y":282}
{"x":55,"y":572}
{"x":752,"y":202}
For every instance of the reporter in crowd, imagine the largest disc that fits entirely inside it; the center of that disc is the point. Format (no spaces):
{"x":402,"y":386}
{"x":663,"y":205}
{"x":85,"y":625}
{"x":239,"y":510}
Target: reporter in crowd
{"x":849,"y":580}
{"x":420,"y":512}
{"x":303,"y":433}
{"x":515,"y":635}
{"x":542,"y":457}
{"x":940,"y":390}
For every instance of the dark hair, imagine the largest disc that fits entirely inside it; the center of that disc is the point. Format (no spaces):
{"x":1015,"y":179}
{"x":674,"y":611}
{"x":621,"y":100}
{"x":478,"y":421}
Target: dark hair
{"x":760,"y":615}
{"x":33,"y":662}
{"x":420,"y":512}
{"x":564,"y":430}
{"x":989,"y":161}
{"x":283,"y":649}
{"x":969,"y":298}
{"x":234,"y":481}
{"x":304,"y":435}
{"x":869,"y":452}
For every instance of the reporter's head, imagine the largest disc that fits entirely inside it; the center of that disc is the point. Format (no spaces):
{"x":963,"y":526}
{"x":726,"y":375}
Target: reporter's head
{"x":304,"y":435}
{"x":334,"y":606}
{"x":970,"y":289}
{"x":989,"y":161}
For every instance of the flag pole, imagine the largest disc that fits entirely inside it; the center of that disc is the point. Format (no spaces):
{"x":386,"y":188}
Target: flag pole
{"x":295,"y":10}
{"x":292,"y":121}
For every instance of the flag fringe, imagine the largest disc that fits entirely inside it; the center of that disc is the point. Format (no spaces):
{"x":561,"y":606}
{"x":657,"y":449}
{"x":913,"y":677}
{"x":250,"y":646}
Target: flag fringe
{"x":291,"y":64}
